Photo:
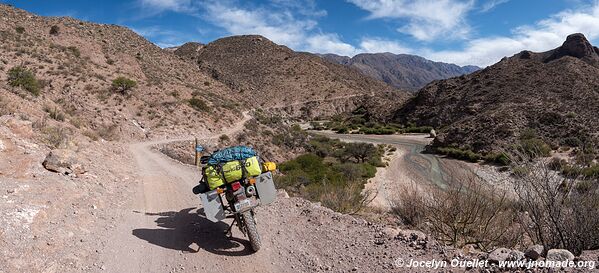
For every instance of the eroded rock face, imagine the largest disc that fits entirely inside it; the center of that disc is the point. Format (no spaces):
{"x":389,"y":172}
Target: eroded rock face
{"x":576,"y":45}
{"x":559,"y":255}
{"x":63,"y":161}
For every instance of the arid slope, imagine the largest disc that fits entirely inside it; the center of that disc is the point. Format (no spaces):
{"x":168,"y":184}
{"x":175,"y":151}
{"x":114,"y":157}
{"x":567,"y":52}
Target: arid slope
{"x":555,"y":94}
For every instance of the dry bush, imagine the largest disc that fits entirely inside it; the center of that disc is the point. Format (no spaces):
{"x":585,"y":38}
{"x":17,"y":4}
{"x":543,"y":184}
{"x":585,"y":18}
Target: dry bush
{"x":56,"y":137}
{"x":464,"y":213}
{"x":409,"y":206}
{"x":108,"y":132}
{"x":349,"y":199}
{"x":5,"y":107}
{"x":560,"y":211}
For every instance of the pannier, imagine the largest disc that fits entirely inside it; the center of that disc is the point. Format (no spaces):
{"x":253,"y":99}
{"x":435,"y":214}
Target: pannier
{"x":230,"y":165}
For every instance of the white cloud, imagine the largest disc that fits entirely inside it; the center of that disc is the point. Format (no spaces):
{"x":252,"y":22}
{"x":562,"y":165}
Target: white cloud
{"x":425,"y":20}
{"x":544,"y":35}
{"x":376,"y":45}
{"x":164,"y":5}
{"x":163,"y":37}
{"x":329,"y":43}
{"x":281,"y":26}
{"x":491,"y":4}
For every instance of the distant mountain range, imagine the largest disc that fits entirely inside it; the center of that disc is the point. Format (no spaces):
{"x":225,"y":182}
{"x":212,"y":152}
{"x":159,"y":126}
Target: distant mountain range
{"x":408,"y":72}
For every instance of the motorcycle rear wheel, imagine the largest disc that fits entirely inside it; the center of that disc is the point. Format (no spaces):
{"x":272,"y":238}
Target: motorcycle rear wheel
{"x":252,"y":230}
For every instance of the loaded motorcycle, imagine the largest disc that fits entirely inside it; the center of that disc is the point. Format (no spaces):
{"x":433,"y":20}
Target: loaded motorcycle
{"x":234,"y":182}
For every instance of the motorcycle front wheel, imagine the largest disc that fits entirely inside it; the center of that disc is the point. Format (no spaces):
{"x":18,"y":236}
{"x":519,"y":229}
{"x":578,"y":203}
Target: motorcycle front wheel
{"x":252,"y":230}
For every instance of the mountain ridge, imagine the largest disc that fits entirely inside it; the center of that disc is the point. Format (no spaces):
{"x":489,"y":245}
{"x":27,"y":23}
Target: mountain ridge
{"x":298,"y":83}
{"x":404,"y":71}
{"x":553,"y":95}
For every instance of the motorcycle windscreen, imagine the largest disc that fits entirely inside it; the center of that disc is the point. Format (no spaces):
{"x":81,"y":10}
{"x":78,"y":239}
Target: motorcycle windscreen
{"x":213,"y":208}
{"x":265,"y":186}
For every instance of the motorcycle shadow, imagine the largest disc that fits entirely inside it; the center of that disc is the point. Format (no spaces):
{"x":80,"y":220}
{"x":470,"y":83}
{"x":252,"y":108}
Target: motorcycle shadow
{"x":180,"y":230}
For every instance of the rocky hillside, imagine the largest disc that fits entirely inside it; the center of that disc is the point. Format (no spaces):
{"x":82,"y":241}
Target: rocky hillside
{"x":272,"y":76}
{"x":188,"y":50}
{"x":553,"y":94}
{"x":58,"y":72}
{"x":408,"y":72}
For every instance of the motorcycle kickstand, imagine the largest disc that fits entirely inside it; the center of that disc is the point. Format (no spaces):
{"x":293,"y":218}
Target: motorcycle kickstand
{"x":229,"y":232}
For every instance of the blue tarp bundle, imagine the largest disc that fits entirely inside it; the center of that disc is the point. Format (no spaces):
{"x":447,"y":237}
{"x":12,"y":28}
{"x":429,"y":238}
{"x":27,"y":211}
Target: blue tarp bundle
{"x":230,"y":154}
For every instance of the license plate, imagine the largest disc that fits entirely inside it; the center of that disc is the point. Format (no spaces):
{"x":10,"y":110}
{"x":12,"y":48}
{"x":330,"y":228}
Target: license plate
{"x":243,"y":204}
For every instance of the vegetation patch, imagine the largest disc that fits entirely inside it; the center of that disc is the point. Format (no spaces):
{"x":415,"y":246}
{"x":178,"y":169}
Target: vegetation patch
{"x":333,"y":173}
{"x":19,"y":76}
{"x":123,"y":84}
{"x":199,"y":104}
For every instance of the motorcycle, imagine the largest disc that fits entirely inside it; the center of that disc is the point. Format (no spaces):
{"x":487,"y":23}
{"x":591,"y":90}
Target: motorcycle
{"x":238,"y":200}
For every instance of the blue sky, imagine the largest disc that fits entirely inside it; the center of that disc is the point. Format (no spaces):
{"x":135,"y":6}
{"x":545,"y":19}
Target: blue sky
{"x":478,"y":32}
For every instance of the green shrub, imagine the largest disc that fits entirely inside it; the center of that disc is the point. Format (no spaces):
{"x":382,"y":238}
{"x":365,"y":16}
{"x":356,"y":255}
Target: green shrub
{"x":199,"y":104}
{"x":54,"y":30}
{"x":224,"y":138}
{"x":535,"y":147}
{"x":75,"y":51}
{"x":123,"y":84}
{"x":417,"y":129}
{"x":497,"y":158}
{"x":54,"y":113}
{"x":336,"y":182}
{"x":458,"y":153}
{"x":20,"y":29}
{"x":557,"y":164}
{"x":591,"y":172}
{"x":342,"y":130}
{"x":19,"y":76}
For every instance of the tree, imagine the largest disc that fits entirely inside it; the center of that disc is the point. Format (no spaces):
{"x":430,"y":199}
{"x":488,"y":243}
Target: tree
{"x":360,"y":151}
{"x":123,"y":85}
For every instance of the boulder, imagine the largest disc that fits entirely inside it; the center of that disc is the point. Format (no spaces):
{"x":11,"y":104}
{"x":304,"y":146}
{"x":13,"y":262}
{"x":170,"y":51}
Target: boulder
{"x":390,"y":232}
{"x":499,"y":255}
{"x":504,"y":254}
{"x":559,"y":255}
{"x":534,"y":252}
{"x":63,"y":161}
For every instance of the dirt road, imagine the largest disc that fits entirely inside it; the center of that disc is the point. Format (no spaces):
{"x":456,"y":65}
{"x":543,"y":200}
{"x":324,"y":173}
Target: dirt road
{"x":162,"y":225}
